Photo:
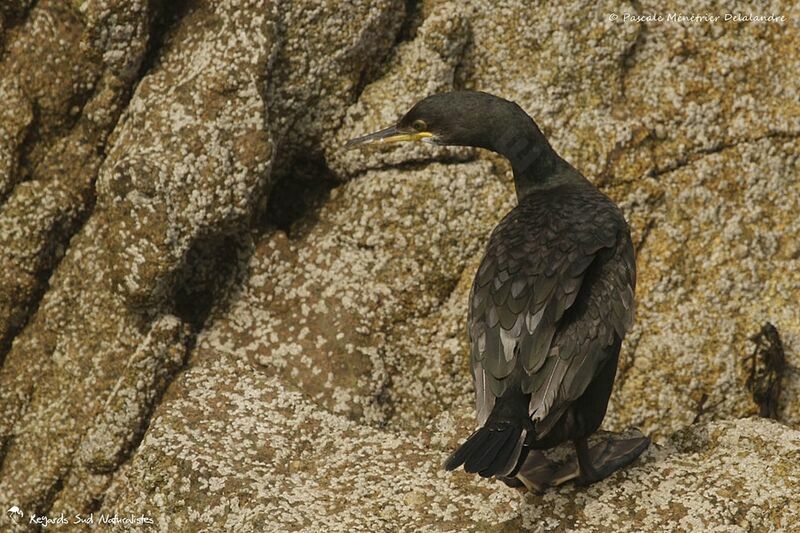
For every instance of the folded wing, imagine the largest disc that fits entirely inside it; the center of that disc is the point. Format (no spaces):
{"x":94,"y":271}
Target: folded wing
{"x":553,"y":290}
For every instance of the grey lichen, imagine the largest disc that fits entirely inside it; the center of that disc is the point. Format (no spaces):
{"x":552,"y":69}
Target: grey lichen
{"x":167,"y":350}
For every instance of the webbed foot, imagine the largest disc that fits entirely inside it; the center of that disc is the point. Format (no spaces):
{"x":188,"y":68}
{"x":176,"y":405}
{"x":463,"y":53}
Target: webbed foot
{"x":603,"y":458}
{"x":537,"y":472}
{"x":606,"y":457}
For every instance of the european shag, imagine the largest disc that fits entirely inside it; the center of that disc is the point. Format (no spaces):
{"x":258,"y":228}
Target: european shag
{"x":549,"y":306}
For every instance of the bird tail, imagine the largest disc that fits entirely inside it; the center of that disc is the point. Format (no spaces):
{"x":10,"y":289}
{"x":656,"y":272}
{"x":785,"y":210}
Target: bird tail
{"x":496,"y":448}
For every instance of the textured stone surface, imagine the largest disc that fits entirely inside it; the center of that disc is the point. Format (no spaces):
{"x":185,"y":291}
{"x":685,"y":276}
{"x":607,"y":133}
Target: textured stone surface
{"x":719,"y":261}
{"x":417,"y":68}
{"x":264,"y":453}
{"x":186,"y":163}
{"x":213,"y":315}
{"x":332,"y":309}
{"x":50,"y":136}
{"x":177,"y":177}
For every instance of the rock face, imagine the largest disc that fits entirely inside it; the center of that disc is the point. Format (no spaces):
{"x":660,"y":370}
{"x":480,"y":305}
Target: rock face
{"x":273,"y":456}
{"x":213,"y":316}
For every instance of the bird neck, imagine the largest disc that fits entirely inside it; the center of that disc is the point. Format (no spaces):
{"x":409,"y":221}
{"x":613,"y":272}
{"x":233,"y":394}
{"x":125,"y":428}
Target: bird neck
{"x":535,"y":164}
{"x":544,"y":171}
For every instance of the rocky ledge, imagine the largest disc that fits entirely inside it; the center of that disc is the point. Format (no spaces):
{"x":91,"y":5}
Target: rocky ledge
{"x":213,"y":317}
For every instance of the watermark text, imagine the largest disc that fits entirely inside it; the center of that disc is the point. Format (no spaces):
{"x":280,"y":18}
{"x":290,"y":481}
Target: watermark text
{"x":697,"y":18}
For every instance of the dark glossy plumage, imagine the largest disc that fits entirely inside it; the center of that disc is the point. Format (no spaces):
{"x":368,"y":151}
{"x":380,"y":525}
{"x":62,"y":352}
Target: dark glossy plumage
{"x":551,"y":300}
{"x":556,"y":281}
{"x":550,"y":303}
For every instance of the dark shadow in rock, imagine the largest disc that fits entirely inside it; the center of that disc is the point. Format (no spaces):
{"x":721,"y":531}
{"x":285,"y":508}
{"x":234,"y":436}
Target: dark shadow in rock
{"x":411,"y":21}
{"x":767,"y":367}
{"x":208,"y":269}
{"x":300,"y":189}
{"x":165,"y":17}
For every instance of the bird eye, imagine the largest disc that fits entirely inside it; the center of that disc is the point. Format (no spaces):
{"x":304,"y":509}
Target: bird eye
{"x":419,"y":125}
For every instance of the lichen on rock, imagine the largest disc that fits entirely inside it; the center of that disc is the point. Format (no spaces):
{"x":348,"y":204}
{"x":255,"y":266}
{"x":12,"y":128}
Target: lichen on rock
{"x":213,"y":315}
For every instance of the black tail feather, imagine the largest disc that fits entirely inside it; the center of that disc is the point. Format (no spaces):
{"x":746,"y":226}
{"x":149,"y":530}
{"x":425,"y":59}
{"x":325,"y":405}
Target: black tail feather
{"x":487,"y":451}
{"x":508,"y":457}
{"x":475,"y":441}
{"x":484,"y":458}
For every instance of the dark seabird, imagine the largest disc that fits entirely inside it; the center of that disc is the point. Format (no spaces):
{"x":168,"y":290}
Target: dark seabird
{"x":550,"y":304}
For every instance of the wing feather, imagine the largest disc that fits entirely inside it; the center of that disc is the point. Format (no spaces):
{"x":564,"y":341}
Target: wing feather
{"x":554,"y":290}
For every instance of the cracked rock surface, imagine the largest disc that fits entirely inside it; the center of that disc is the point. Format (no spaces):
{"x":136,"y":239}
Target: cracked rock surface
{"x":212,"y":315}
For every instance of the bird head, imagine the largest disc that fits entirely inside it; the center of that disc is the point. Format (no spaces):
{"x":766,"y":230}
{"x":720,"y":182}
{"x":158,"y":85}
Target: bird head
{"x":461,"y":118}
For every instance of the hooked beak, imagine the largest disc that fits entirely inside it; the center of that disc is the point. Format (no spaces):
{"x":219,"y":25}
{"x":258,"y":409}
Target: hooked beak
{"x":391,"y":135}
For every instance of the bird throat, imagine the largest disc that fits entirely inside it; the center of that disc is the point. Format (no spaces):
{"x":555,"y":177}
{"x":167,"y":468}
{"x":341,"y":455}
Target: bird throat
{"x":534,"y":162}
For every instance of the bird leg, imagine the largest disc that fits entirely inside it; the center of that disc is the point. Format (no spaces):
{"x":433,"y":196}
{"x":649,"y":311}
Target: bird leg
{"x":606,"y":457}
{"x":591,"y":464}
{"x":588,"y":474}
{"x":537,"y":472}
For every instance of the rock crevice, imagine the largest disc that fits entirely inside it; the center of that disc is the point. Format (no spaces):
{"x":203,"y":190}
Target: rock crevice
{"x":213,"y":315}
